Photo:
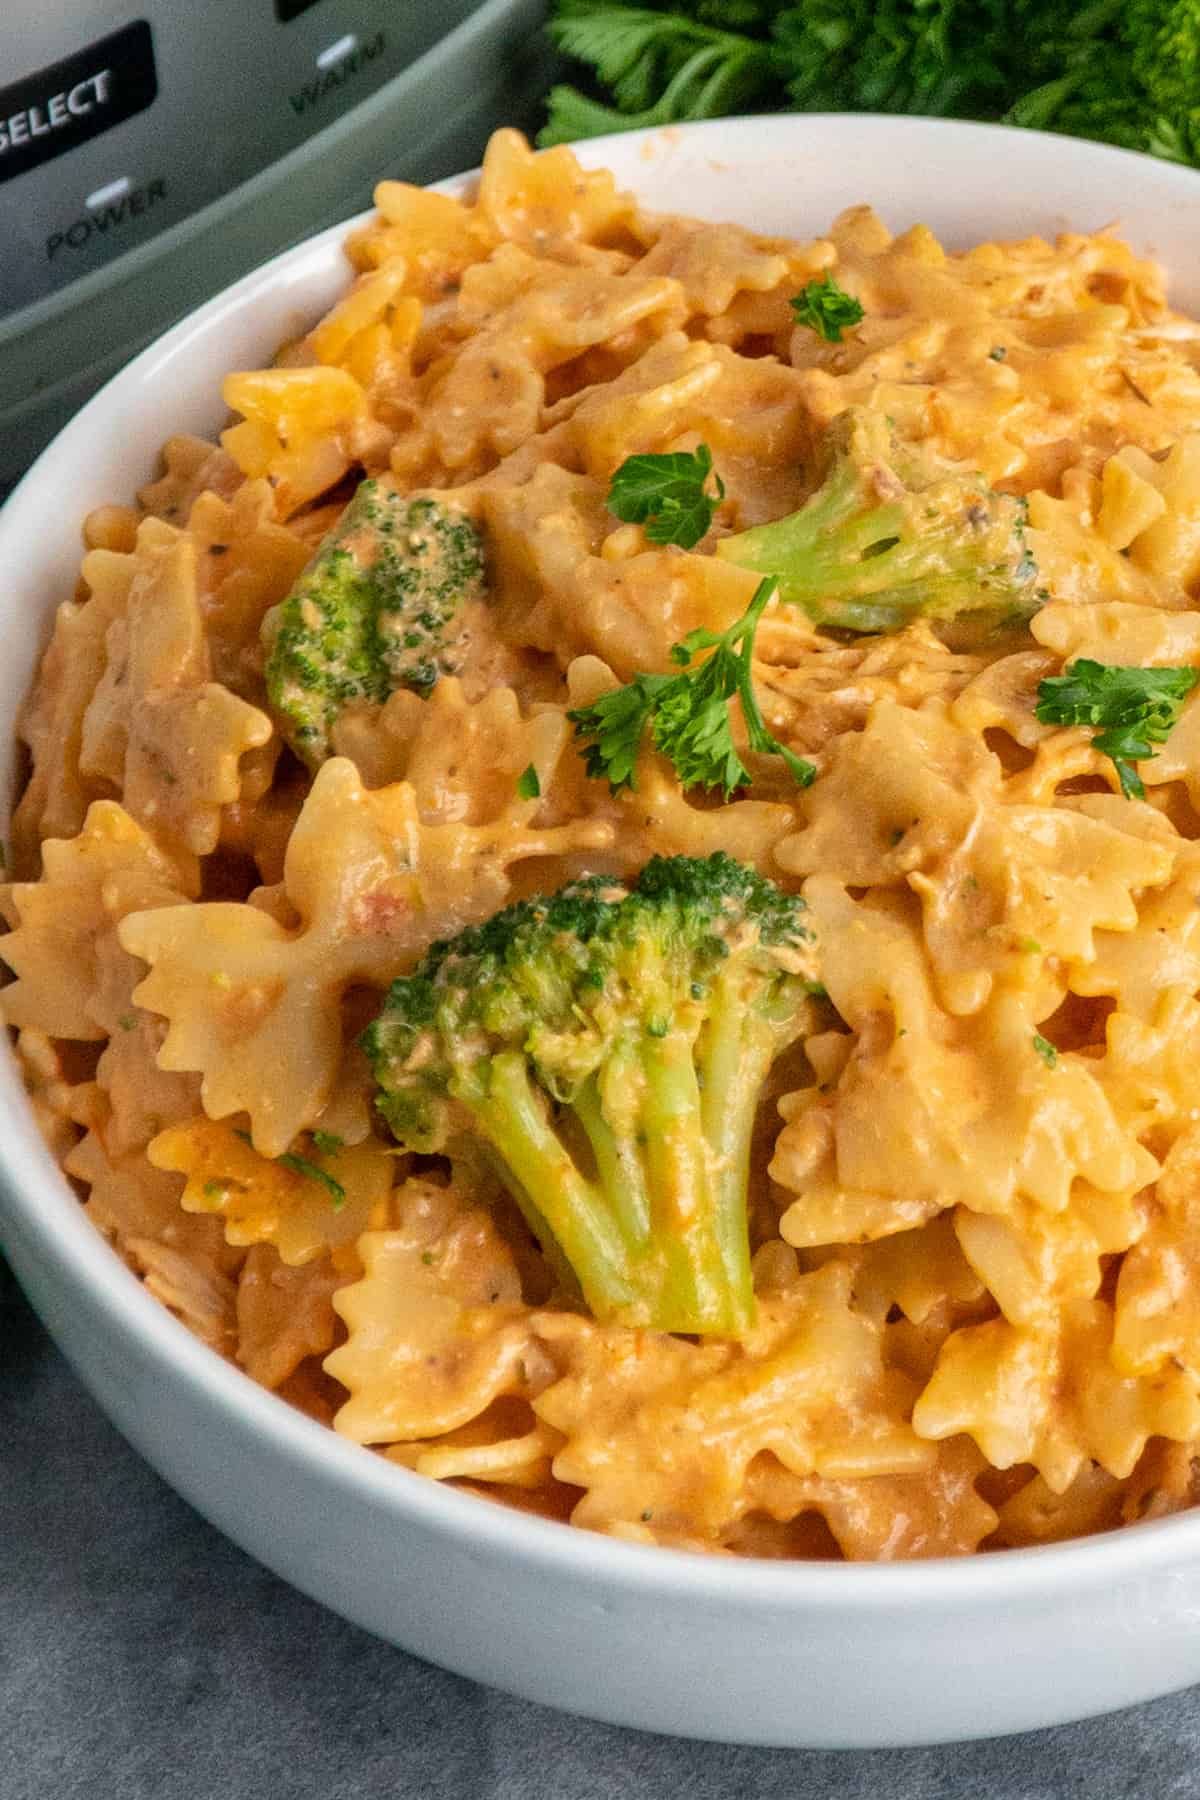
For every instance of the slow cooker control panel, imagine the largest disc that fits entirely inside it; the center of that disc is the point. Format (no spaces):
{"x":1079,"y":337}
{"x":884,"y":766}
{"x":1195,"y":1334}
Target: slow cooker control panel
{"x":63,"y":106}
{"x":141,"y":122}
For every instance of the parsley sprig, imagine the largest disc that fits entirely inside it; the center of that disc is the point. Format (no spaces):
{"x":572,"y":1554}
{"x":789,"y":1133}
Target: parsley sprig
{"x":688,"y":713}
{"x":1133,"y":708}
{"x":668,"y":494}
{"x":826,"y":309}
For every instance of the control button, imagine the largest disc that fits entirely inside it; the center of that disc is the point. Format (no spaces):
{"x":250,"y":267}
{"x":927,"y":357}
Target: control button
{"x":337,"y":65}
{"x":64,"y":105}
{"x":116,"y":190}
{"x":109,"y":209}
{"x":336,"y":52}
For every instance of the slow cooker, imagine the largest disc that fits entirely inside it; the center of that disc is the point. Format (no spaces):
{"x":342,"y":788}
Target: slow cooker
{"x":150,"y":156}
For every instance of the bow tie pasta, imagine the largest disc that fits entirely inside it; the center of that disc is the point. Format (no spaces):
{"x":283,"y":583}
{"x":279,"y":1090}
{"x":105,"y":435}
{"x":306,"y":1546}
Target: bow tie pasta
{"x":607,"y":892}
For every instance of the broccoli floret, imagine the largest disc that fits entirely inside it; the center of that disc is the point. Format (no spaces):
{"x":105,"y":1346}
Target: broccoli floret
{"x":890,"y":535}
{"x":379,"y":607}
{"x":609,"y":1045}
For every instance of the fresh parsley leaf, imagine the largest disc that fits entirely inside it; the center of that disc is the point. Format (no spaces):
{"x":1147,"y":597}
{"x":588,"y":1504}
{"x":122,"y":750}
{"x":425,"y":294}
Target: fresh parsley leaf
{"x":615,"y":722}
{"x":688,"y":713}
{"x":667,"y":494}
{"x":1134,"y":709}
{"x":528,"y":785}
{"x":1045,"y":1050}
{"x":328,"y":1142}
{"x":826,"y":309}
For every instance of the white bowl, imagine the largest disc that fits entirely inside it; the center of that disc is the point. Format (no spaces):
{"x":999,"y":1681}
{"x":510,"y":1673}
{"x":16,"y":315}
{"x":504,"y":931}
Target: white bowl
{"x":756,"y":1652}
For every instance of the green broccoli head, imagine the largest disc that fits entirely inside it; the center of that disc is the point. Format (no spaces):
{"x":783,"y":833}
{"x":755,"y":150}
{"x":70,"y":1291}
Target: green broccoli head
{"x":609,"y":1045}
{"x":890,"y":536}
{"x":379,"y":607}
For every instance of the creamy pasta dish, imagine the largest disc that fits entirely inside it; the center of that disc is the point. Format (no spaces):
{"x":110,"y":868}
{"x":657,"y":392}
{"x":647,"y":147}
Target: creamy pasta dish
{"x":607,"y":896}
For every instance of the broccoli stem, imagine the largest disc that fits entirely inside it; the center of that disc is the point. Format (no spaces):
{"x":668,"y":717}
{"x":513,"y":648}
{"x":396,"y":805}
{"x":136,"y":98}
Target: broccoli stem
{"x":694,"y":1284}
{"x":673,"y":1263}
{"x":739,"y":1047}
{"x":835,"y":565}
{"x":513,"y":1117}
{"x":611,"y":1124}
{"x":889,"y":536}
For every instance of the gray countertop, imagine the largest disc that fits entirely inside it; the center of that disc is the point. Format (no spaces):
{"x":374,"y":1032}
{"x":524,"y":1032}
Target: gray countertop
{"x":142,"y":1657}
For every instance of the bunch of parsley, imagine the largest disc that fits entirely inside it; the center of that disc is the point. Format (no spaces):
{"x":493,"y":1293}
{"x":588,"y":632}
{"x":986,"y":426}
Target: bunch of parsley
{"x":1127,"y":71}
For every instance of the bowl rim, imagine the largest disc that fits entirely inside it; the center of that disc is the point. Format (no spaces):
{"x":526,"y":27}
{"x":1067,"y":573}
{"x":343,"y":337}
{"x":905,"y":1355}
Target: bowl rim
{"x":46,"y":1213}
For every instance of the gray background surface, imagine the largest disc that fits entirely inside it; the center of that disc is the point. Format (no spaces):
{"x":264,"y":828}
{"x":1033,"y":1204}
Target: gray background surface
{"x":142,"y":1657}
